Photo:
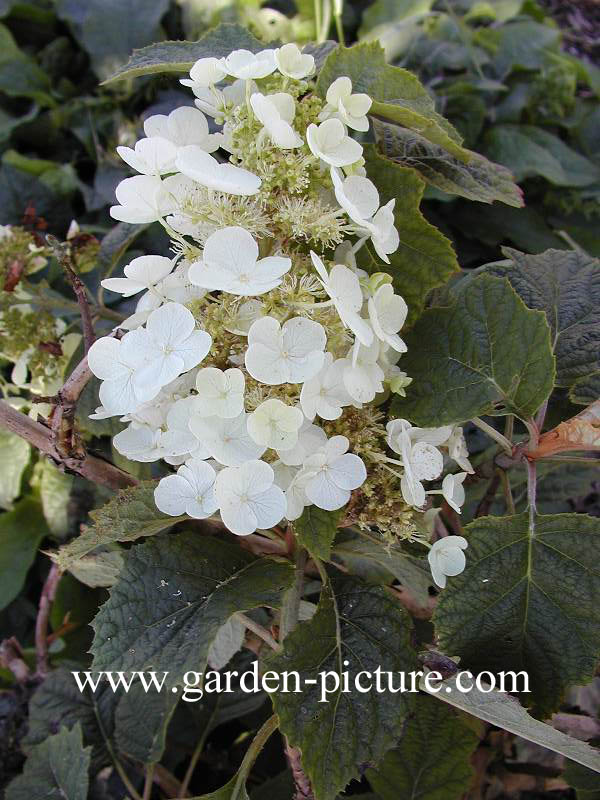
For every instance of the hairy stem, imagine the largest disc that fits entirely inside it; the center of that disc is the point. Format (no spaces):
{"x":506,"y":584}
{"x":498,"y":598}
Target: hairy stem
{"x":504,"y":443}
{"x":62,"y":254}
{"x":263,"y":633}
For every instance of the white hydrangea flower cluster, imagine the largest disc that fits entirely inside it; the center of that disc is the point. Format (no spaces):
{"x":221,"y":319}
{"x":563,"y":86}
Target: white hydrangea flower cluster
{"x":248,"y":343}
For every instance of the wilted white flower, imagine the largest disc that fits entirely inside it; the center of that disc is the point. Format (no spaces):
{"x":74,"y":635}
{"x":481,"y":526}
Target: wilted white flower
{"x":197,"y":164}
{"x":453,"y":490}
{"x":220,"y":394}
{"x":292,"y":63}
{"x":246,"y":65}
{"x":329,"y":142}
{"x":143,"y":198}
{"x":291,"y":353}
{"x":446,"y":558}
{"x":276,"y":113}
{"x":248,"y":498}
{"x":189,"y":492}
{"x":275,"y":424}
{"x":422,"y":461}
{"x":230,"y":263}
{"x":457,"y":449}
{"x":350,"y":108}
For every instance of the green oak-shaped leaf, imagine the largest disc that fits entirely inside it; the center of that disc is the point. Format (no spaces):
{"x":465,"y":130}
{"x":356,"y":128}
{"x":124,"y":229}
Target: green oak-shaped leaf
{"x":316,"y":530}
{"x":397,"y":94}
{"x":565,"y":284}
{"x":131,"y":514}
{"x":479,"y":179}
{"x":432,"y":760}
{"x":486,"y":354}
{"x":180,"y":56}
{"x":527,"y":601}
{"x":172,"y":596}
{"x":362,"y":625}
{"x":425,"y":258}
{"x":57,"y":769}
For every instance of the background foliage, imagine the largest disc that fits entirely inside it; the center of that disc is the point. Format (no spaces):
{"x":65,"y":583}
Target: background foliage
{"x":522,"y":89}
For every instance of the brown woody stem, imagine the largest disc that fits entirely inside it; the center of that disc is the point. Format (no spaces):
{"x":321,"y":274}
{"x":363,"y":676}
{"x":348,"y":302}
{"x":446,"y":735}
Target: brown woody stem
{"x":40,"y":436}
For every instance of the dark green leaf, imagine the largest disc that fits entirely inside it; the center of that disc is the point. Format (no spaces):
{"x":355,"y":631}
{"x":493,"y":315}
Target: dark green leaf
{"x":585,"y":390}
{"x":526,"y":601}
{"x":110,"y":29}
{"x":141,"y":721}
{"x":524,"y":44}
{"x":59,"y":703}
{"x":57,"y":769}
{"x":20,"y":191}
{"x":530,"y":151}
{"x":131,"y":514}
{"x":180,"y":56}
{"x":382,"y":12}
{"x":424,"y":259}
{"x":432,"y":760}
{"x":366,"y":554}
{"x":21,"y":531}
{"x":360,"y":623}
{"x":172,"y":596}
{"x":486,"y":354}
{"x":565,"y":284}
{"x":316,"y":530}
{"x":478,"y":179}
